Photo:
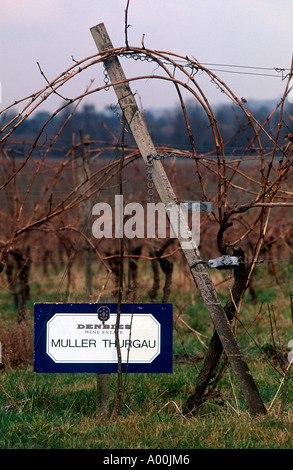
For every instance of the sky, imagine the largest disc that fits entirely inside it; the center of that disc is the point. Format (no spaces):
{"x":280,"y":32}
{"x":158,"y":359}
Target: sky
{"x":251,"y":33}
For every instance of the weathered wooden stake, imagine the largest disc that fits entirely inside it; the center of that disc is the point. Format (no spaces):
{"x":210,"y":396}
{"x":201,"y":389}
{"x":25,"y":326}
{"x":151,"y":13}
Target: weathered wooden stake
{"x":103,"y":388}
{"x":83,"y":173}
{"x":198,"y":270}
{"x":103,"y":396}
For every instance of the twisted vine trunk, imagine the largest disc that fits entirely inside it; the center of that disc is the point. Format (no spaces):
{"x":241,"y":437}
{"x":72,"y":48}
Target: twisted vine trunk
{"x":215,"y":350}
{"x":20,"y":284}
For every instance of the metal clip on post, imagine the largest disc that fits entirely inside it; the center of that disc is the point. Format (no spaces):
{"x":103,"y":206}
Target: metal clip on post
{"x":224,"y":262}
{"x":204,"y":206}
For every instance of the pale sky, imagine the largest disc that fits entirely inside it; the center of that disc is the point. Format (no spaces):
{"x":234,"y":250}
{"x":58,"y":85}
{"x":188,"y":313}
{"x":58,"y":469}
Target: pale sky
{"x":255,"y":33}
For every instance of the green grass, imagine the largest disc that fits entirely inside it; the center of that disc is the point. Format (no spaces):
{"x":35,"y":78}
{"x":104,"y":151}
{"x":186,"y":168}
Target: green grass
{"x":58,"y":411}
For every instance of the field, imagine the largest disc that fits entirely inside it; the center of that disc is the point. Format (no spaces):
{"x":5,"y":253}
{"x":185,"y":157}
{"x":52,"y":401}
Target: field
{"x":49,"y":253}
{"x":58,"y":411}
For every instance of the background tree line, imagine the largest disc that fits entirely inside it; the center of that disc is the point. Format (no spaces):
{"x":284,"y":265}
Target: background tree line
{"x":166,"y":126}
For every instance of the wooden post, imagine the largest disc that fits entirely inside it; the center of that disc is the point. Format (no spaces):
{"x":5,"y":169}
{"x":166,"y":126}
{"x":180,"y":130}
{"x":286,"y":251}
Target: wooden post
{"x":103,"y":396}
{"x":83,"y":172}
{"x":103,"y":389}
{"x":199,"y":272}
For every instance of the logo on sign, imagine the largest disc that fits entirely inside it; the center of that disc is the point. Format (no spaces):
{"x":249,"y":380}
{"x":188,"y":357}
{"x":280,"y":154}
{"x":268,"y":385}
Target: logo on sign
{"x":103,"y":313}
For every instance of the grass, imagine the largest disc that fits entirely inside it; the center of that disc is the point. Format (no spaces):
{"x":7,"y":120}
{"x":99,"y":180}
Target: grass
{"x":57,"y":411}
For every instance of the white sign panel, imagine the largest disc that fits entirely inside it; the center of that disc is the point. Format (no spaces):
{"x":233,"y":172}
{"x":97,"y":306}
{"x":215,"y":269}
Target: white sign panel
{"x":82,"y":338}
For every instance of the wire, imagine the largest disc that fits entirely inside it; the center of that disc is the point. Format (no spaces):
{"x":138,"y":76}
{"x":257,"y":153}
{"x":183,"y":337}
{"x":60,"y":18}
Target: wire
{"x":194,"y":66}
{"x":277,"y":69}
{"x":248,"y":67}
{"x":247,"y":73}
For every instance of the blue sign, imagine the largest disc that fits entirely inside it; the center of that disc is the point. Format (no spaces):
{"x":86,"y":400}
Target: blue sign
{"x":82,"y":337}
